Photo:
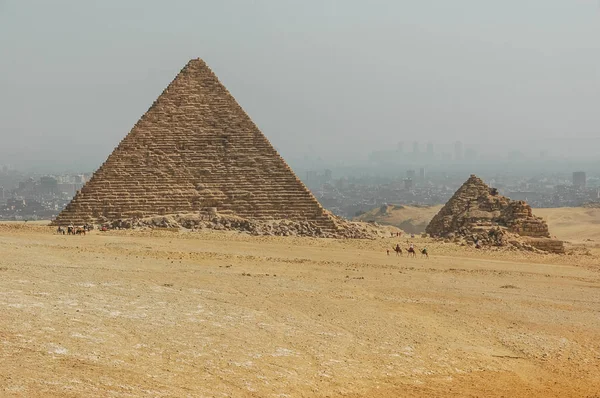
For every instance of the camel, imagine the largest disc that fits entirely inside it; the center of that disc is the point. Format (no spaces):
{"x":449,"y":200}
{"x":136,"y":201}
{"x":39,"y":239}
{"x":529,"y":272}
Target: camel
{"x":411,"y":252}
{"x":424,"y":253}
{"x":398,"y":250}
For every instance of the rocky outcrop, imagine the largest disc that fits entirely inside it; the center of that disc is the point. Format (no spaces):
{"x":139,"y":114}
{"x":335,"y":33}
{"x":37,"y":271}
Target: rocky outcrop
{"x":478,"y":213}
{"x":195,"y":149}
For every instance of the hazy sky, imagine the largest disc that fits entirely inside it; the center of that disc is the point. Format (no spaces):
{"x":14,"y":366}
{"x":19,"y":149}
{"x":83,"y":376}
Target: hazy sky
{"x":335,"y":78}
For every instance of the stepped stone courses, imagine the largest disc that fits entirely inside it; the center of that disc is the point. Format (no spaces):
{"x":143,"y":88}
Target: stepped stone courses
{"x":195,"y":150}
{"x":478,"y":212}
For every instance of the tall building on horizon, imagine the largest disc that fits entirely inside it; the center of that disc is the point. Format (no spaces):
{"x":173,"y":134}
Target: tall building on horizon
{"x":430,"y":149}
{"x":415,"y":147}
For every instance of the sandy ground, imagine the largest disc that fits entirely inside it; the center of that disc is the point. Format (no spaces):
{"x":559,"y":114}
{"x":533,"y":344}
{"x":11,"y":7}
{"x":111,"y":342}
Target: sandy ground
{"x":576,"y":224}
{"x":162,"y":314}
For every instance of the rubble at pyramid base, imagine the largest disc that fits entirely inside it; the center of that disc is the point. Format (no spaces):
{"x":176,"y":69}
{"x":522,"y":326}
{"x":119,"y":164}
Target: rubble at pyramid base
{"x":229,"y":222}
{"x":498,"y":236}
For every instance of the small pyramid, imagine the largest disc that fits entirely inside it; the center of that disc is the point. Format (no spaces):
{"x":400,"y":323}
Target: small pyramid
{"x":195,"y":149}
{"x":478,"y":210}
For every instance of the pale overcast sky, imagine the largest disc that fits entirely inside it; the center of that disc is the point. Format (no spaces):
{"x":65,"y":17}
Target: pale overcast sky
{"x":334,"y":78}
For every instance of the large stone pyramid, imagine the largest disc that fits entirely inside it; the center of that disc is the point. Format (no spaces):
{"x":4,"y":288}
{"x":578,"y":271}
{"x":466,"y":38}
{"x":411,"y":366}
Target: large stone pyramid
{"x":478,"y":212}
{"x":195,"y":149}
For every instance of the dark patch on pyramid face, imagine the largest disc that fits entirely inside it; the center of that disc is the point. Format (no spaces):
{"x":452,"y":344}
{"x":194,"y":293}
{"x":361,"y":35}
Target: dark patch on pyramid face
{"x":195,"y":148}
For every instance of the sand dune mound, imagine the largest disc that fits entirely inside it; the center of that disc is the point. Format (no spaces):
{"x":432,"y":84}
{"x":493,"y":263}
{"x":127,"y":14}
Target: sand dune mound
{"x":411,"y":219}
{"x":575,"y":224}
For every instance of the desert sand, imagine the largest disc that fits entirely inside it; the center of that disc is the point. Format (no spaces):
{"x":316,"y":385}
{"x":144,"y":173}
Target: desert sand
{"x":575,"y":224}
{"x":168,"y":314}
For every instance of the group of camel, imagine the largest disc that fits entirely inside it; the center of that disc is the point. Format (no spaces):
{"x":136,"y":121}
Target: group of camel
{"x":72,"y":230}
{"x":411,"y":251}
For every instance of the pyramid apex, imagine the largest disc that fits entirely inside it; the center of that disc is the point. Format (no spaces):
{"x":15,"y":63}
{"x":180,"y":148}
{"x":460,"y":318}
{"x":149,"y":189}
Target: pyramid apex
{"x":196,"y":62}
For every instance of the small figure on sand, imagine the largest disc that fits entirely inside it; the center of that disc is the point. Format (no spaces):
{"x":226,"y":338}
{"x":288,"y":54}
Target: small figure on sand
{"x":424,"y":253}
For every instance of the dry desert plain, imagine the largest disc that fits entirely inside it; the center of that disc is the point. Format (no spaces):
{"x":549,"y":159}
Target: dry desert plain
{"x":167,"y":314}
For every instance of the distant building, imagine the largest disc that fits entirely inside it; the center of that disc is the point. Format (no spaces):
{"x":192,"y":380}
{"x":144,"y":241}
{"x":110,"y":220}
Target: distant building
{"x":422,"y":174}
{"x":401,"y":147}
{"x":311,"y":177}
{"x":415,"y":147}
{"x":48,"y":186}
{"x":408,"y":184}
{"x":67,"y":188}
{"x":411,"y":174}
{"x":430,"y":149}
{"x":527,"y":196}
{"x":579,"y":179}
